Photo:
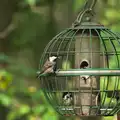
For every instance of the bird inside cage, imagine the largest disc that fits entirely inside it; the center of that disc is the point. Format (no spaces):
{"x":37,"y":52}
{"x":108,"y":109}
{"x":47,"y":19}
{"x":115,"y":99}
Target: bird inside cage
{"x":67,"y":98}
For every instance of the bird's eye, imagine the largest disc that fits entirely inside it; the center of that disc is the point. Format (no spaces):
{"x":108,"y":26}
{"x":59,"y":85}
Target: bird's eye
{"x":67,"y":96}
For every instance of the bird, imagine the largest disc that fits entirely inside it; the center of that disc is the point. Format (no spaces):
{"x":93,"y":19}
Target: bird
{"x":50,"y":66}
{"x":67,"y":98}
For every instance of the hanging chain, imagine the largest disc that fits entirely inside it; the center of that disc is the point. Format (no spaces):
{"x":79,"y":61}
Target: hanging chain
{"x":88,"y":8}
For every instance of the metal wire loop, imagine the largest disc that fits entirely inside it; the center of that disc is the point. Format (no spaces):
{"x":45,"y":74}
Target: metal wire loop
{"x":88,"y":8}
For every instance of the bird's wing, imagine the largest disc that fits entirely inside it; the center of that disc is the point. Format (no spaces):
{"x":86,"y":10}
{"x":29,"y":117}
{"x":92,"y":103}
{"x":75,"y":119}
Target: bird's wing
{"x":47,"y":65}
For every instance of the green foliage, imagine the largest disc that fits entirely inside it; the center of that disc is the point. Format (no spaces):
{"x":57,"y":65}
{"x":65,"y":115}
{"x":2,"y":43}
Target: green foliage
{"x":5,"y":100}
{"x":4,"y":58}
{"x":108,"y":118}
{"x":31,"y":2}
{"x":78,"y":4}
{"x":110,"y":12}
{"x":35,"y":106}
{"x":28,"y":29}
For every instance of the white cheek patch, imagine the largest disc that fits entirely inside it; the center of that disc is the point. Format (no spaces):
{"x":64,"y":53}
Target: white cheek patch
{"x":65,"y":97}
{"x":52,"y":58}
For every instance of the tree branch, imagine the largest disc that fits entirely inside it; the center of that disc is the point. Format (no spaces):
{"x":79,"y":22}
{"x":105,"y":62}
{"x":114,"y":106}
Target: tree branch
{"x":7,"y":31}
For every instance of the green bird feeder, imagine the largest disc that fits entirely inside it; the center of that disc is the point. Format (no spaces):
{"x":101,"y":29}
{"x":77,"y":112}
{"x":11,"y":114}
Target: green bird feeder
{"x":89,"y":68}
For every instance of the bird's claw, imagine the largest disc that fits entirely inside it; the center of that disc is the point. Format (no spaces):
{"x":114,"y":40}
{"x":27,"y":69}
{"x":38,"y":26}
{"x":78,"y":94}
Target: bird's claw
{"x":57,"y":70}
{"x":38,"y":76}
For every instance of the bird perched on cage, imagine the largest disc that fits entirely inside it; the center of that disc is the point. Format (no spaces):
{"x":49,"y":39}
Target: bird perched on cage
{"x":67,"y":98}
{"x":49,"y":66}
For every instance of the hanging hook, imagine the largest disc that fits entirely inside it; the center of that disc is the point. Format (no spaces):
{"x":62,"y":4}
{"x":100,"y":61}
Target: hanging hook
{"x":92,"y":4}
{"x":88,"y":7}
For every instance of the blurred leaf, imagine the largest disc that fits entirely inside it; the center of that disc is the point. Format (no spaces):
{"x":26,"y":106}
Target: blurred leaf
{"x":4,"y":58}
{"x":31,"y":2}
{"x":32,"y":89}
{"x":5,"y":79}
{"x":38,"y":95}
{"x":50,"y":116}
{"x":112,"y":2}
{"x":78,"y":4}
{"x":39,"y":109}
{"x":112,"y":14}
{"x":5,"y":100}
{"x":108,"y":118}
{"x":24,"y":109}
{"x":12,"y":115}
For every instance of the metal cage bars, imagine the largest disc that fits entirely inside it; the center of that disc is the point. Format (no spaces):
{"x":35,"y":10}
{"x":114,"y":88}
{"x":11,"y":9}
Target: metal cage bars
{"x":65,"y":48}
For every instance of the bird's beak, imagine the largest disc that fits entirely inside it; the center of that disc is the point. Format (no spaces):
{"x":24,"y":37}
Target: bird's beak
{"x":59,"y":57}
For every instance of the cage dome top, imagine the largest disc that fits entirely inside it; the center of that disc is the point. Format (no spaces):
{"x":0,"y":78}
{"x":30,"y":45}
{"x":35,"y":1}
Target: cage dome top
{"x":87,"y":83}
{"x":89,"y":25}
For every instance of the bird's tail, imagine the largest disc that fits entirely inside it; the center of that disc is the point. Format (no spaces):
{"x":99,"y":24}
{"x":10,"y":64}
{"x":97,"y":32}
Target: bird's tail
{"x":39,"y":73}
